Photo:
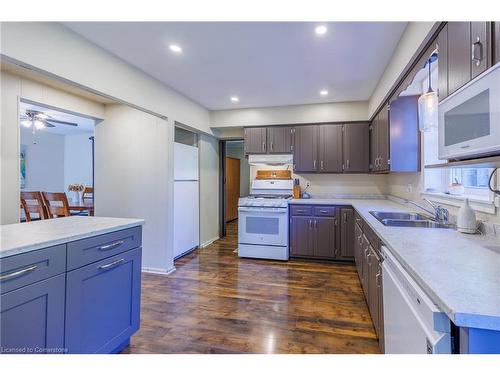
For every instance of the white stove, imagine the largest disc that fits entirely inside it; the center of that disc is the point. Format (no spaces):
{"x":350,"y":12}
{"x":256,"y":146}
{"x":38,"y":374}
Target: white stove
{"x":263,"y":220}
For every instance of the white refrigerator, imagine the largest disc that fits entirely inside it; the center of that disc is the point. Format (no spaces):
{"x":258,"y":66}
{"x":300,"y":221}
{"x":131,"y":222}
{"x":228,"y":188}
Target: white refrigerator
{"x":186,"y":199}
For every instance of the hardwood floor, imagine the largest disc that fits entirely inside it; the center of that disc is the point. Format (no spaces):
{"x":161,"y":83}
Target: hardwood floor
{"x":217,"y":303}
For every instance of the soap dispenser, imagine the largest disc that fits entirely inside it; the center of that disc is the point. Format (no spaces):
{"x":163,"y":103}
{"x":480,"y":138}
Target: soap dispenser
{"x":466,"y":219}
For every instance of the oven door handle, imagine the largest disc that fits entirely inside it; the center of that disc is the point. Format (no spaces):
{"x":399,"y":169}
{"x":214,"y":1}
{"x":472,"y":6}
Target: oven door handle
{"x":264,"y":210}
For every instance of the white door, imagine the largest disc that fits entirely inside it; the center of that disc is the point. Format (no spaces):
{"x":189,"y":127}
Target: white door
{"x":185,"y":162}
{"x":186,"y":216}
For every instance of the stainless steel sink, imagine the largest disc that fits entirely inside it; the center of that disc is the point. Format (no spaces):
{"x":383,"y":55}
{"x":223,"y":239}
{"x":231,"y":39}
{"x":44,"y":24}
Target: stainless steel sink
{"x":380,"y":215}
{"x":403,"y":219}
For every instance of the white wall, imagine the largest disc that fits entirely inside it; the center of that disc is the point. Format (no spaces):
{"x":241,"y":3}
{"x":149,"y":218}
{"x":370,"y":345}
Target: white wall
{"x":13,"y":88}
{"x":413,"y":36}
{"x":77,"y":159}
{"x":44,"y":160}
{"x":134,"y":177}
{"x":209,"y":189}
{"x":90,"y":66}
{"x":294,"y":114}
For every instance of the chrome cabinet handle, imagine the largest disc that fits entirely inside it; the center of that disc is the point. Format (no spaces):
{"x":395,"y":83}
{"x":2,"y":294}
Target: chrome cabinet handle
{"x":19,"y":273}
{"x":377,"y":278}
{"x":111,"y":245}
{"x":323,"y":211}
{"x":314,"y":164}
{"x":272,"y":146}
{"x":477,"y":45}
{"x":310,"y":223}
{"x":302,"y":211}
{"x":264,"y":146}
{"x":112,"y":264}
{"x":345,"y":217}
{"x":322,"y":165}
{"x":347,"y":163}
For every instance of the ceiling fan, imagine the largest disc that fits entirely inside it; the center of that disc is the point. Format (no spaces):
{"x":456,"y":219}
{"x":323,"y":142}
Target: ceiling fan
{"x":38,"y":120}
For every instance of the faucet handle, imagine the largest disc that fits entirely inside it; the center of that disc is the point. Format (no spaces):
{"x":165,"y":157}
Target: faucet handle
{"x":442,"y":214}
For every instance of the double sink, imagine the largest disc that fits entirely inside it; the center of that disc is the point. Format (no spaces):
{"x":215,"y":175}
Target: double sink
{"x":404,"y":219}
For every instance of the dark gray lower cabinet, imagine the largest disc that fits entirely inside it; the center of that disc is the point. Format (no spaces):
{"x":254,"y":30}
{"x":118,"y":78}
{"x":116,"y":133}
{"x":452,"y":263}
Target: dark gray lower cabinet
{"x":347,"y":233}
{"x":324,"y":237}
{"x":369,"y":267}
{"x":301,"y":236}
{"x":314,"y":235}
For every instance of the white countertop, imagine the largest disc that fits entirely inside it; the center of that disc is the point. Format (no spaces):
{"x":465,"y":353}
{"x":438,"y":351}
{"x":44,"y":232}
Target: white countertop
{"x":459,"y":272}
{"x":23,"y":237}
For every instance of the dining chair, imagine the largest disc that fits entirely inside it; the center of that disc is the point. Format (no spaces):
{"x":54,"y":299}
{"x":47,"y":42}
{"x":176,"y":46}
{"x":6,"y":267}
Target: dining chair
{"x":56,"y":203}
{"x":88,"y":193}
{"x":32,"y":203}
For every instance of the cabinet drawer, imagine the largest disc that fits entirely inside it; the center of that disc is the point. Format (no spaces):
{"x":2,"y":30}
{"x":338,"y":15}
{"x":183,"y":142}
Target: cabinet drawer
{"x":89,"y":250}
{"x":325,"y":211}
{"x":301,"y":210}
{"x":20,"y":270}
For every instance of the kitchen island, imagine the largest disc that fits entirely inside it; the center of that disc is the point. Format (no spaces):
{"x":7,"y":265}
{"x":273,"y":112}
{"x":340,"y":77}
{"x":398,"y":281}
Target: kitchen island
{"x":460,"y":273}
{"x":70,"y":285}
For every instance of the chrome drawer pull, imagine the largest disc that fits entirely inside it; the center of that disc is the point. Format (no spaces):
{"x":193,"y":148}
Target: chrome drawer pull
{"x":19,"y":273}
{"x":323,"y":211}
{"x":112,"y":264}
{"x":111,"y":245}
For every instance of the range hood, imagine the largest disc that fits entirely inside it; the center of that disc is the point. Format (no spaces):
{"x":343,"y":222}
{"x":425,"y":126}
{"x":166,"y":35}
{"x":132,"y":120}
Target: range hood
{"x":266,"y":159}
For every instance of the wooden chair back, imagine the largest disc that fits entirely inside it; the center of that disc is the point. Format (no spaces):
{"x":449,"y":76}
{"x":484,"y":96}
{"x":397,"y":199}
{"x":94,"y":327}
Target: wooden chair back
{"x":32,"y":203}
{"x":88,"y":193}
{"x":57,"y":204}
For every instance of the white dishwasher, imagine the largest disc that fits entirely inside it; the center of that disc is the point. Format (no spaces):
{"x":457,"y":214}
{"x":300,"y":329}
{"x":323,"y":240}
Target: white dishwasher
{"x":413,"y":324}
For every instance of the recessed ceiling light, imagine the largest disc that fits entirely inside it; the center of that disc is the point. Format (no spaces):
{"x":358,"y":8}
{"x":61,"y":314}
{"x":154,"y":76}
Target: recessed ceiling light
{"x":321,"y":30}
{"x":175,"y":48}
{"x":323,"y":92}
{"x":235,"y":99}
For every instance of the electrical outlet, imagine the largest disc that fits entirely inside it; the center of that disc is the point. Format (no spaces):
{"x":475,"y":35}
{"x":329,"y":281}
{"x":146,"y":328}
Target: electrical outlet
{"x":409,"y":188}
{"x":308,"y":184}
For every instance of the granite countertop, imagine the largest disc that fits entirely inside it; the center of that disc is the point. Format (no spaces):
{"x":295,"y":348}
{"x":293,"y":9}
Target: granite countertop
{"x":459,"y":272}
{"x":23,"y":237}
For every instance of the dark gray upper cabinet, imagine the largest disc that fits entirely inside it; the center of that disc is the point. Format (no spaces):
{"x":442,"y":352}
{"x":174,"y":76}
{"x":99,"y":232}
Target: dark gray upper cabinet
{"x":347,"y":232}
{"x":481,"y":47}
{"x":330,"y":148}
{"x":496,"y":44}
{"x":306,"y":148}
{"x":459,"y":55}
{"x":280,"y":139}
{"x":379,"y":142}
{"x":356,"y":146}
{"x":442,"y":44}
{"x":374,"y":155}
{"x":255,"y":140}
{"x":324,"y":237}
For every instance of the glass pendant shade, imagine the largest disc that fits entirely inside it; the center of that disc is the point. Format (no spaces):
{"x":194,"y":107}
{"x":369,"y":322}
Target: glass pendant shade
{"x":427,"y":111}
{"x":428,"y":106}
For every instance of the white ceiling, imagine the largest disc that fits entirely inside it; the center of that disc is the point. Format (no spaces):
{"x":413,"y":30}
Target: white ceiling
{"x":85,"y":125}
{"x":263,"y":63}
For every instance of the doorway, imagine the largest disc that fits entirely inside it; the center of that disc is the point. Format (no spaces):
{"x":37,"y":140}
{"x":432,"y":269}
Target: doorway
{"x":56,"y":155}
{"x":235,"y":182}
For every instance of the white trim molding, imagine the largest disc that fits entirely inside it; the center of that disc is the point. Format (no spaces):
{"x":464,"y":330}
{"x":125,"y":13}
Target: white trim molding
{"x":209,"y":242}
{"x":158,"y":271}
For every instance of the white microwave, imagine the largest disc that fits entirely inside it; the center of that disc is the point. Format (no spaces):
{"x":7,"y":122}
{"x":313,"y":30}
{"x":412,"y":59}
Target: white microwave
{"x":469,"y":119}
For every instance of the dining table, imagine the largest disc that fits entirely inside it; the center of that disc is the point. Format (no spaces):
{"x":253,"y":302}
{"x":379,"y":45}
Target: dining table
{"x":82,"y":205}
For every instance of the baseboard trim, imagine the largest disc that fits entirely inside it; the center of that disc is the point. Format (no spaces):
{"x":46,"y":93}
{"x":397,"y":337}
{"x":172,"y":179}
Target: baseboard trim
{"x":158,"y":271}
{"x":209,"y":242}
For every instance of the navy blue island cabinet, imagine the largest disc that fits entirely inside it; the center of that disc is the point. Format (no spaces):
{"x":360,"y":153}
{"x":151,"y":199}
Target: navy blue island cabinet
{"x":78,"y":297}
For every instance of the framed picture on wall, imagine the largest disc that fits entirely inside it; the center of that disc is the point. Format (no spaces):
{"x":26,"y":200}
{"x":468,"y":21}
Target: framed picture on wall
{"x":22,"y":167}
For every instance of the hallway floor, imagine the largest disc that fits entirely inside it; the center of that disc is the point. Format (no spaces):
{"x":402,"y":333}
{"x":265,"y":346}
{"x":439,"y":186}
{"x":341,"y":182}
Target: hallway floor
{"x":216,"y":302}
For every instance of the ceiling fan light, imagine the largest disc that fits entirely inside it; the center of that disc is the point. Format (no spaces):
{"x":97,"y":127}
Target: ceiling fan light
{"x":39,"y":124}
{"x":26,"y":123}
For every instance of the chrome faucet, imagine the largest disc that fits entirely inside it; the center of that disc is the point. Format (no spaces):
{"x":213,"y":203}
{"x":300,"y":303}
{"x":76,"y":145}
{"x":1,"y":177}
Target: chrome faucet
{"x":440,"y":214}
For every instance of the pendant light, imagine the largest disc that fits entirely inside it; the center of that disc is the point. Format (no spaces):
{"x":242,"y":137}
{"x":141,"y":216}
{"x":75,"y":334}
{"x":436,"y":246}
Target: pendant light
{"x":428,"y":104}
